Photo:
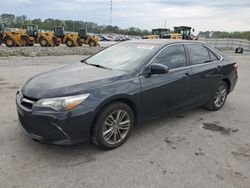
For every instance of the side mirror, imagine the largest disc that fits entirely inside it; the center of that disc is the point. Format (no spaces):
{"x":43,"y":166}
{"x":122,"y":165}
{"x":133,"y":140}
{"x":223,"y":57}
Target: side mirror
{"x":193,"y":30}
{"x":155,"y":68}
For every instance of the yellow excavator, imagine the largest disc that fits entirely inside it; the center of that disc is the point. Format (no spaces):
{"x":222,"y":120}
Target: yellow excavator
{"x":180,"y":32}
{"x":79,"y":38}
{"x":158,"y":33}
{"x":49,"y":38}
{"x":11,"y":38}
{"x":1,"y":32}
{"x":29,"y":37}
{"x":186,"y":32}
{"x":22,"y":37}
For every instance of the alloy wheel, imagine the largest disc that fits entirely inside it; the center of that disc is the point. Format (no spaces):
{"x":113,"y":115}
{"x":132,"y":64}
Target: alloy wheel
{"x":220,"y":96}
{"x":116,"y":127}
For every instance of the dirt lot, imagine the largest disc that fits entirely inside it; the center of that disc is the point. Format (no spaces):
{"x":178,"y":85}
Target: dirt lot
{"x":197,"y":148}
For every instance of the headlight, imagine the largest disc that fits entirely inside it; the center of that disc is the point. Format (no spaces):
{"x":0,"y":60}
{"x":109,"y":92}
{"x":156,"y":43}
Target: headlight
{"x":62,"y":103}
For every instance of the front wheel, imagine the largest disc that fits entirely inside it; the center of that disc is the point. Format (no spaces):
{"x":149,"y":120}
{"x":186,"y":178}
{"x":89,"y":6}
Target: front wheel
{"x":10,"y":42}
{"x":43,"y":42}
{"x":218,"y":98}
{"x":69,"y":43}
{"x":113,"y":126}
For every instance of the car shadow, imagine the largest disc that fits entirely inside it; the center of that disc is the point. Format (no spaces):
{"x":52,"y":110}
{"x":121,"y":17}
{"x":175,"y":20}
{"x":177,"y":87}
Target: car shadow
{"x":85,"y":153}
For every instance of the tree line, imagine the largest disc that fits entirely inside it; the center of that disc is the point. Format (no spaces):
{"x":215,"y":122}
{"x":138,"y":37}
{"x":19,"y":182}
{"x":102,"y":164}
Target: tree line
{"x":13,"y":21}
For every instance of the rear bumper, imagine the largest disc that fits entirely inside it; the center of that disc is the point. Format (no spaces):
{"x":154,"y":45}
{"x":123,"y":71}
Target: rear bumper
{"x":60,"y":128}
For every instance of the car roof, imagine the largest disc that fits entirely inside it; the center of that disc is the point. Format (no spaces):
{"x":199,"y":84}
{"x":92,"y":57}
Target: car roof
{"x":161,"y":42}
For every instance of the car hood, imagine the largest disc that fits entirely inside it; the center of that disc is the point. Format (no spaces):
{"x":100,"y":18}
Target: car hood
{"x":73,"y":79}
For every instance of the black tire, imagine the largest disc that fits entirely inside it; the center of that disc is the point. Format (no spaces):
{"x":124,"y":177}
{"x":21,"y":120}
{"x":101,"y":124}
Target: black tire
{"x":92,"y":43}
{"x":55,"y":43}
{"x":69,"y":43}
{"x":43,"y":42}
{"x":1,"y":39}
{"x":25,"y":41}
{"x":79,"y":42}
{"x":98,"y":129}
{"x":212,"y":105}
{"x":10,"y":42}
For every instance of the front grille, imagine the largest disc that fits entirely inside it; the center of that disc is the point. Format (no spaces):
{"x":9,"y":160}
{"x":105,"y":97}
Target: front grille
{"x":27,"y":102}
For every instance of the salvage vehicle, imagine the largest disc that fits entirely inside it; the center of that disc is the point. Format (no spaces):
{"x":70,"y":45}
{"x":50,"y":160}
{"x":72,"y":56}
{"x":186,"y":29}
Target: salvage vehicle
{"x":104,"y":96}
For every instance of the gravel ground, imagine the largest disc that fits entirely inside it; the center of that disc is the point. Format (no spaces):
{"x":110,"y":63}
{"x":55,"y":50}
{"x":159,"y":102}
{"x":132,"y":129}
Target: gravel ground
{"x":62,"y":50}
{"x":48,"y":51}
{"x":196,"y":148}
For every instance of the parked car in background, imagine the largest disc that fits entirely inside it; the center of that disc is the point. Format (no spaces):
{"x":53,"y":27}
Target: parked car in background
{"x":104,"y":96}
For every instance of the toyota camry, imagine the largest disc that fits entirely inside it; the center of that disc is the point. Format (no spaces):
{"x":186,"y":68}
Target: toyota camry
{"x":101,"y":98}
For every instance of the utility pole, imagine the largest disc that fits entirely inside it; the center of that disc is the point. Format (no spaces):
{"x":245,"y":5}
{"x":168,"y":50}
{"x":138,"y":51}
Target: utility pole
{"x":165,"y":24}
{"x":111,"y":4}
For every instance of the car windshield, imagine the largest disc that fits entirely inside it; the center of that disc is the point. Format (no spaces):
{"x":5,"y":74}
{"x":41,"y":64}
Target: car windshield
{"x":123,"y":56}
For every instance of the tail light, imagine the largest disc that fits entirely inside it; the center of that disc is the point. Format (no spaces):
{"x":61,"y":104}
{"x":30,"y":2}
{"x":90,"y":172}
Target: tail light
{"x":236,"y":66}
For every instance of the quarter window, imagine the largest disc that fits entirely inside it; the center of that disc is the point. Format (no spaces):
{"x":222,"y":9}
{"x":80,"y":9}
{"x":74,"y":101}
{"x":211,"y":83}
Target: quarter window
{"x":198,"y":54}
{"x":172,"y":56}
{"x":213,"y":57}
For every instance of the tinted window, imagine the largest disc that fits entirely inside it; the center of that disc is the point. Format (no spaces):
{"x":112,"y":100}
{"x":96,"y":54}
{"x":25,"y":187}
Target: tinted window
{"x":198,"y":54}
{"x":213,"y":57}
{"x":172,"y":56}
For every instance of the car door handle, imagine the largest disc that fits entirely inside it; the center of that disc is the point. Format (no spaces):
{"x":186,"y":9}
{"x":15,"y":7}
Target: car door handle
{"x":219,"y":68}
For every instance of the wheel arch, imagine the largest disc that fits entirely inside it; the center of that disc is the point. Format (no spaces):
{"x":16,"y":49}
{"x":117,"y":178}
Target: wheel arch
{"x":119,"y":98}
{"x":228,"y":82}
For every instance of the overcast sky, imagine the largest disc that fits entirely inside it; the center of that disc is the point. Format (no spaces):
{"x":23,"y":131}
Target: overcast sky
{"x":228,"y":15}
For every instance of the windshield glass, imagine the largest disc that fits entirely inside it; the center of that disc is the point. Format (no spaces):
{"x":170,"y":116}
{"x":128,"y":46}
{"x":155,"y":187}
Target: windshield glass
{"x":123,"y":56}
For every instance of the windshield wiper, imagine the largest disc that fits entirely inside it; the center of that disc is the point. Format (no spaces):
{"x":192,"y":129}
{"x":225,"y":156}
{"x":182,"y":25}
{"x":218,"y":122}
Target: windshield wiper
{"x":96,"y":65}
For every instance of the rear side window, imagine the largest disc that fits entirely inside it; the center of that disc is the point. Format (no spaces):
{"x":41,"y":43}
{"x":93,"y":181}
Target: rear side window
{"x":172,"y":56}
{"x":198,"y":54}
{"x":213,"y":57}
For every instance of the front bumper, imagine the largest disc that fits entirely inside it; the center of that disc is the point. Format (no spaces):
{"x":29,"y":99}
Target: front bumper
{"x":49,"y":126}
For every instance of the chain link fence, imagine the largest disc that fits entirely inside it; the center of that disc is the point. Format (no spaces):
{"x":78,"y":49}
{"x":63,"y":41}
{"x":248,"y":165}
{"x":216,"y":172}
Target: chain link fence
{"x":228,"y":44}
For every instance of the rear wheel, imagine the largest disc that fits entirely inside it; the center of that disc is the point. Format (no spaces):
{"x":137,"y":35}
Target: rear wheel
{"x":55,"y":43}
{"x":218,"y":98}
{"x":92,"y":43}
{"x":113,"y":126}
{"x":69,"y":43}
{"x":43,"y":42}
{"x":9,"y":42}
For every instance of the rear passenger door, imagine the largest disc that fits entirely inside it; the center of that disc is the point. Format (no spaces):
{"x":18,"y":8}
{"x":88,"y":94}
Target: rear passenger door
{"x":166,"y":92}
{"x":206,"y":71}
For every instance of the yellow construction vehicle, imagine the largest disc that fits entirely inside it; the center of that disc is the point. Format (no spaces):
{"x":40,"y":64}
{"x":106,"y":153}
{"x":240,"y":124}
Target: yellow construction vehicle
{"x":186,"y":32}
{"x":21,"y":37}
{"x":29,"y":37}
{"x":1,"y":32}
{"x":11,"y":38}
{"x":79,"y":38}
{"x":52,"y":38}
{"x":158,"y":33}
